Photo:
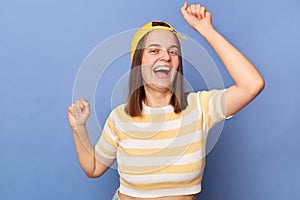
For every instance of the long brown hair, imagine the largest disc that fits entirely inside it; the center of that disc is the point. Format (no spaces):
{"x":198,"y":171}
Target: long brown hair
{"x":136,"y":93}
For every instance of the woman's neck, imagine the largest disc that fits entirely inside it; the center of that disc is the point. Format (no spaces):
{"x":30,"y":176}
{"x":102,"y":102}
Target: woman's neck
{"x":157,"y":98}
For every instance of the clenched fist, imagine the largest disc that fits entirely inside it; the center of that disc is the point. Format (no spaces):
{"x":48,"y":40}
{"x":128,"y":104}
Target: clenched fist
{"x":78,"y":113}
{"x":197,"y":16}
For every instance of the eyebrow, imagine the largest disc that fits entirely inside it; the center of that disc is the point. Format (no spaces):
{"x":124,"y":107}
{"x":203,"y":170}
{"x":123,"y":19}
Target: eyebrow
{"x":158,"y":45}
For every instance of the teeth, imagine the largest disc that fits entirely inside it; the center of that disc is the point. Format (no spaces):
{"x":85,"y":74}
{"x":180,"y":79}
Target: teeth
{"x":162,"y":68}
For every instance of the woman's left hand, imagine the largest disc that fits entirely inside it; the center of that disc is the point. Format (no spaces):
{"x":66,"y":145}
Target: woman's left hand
{"x":198,"y":17}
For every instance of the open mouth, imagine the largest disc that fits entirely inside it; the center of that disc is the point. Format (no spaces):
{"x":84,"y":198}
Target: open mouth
{"x":162,"y":70}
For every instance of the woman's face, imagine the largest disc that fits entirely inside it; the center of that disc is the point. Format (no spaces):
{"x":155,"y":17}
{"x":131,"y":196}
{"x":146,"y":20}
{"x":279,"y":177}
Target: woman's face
{"x":160,"y":59}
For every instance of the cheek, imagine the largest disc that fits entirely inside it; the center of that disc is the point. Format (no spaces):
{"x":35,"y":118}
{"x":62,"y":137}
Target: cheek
{"x":147,"y":60}
{"x":175,"y":63}
{"x":146,"y":72}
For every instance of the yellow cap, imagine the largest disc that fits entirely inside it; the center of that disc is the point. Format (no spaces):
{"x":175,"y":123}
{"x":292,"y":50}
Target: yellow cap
{"x":156,"y":24}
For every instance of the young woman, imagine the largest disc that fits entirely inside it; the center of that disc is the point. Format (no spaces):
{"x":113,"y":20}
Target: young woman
{"x":158,"y":137}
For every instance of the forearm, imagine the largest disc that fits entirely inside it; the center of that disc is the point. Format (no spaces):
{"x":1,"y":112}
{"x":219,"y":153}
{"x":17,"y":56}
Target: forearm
{"x":238,"y":66}
{"x":85,"y":150}
{"x":248,"y":81}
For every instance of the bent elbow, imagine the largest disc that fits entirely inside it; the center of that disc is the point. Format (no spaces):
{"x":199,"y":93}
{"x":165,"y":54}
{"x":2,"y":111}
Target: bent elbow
{"x":94,"y":173}
{"x":257,"y":86}
{"x":91,"y":175}
{"x":260,"y":84}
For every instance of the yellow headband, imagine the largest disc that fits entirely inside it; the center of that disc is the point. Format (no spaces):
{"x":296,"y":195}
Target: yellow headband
{"x":147,"y":28}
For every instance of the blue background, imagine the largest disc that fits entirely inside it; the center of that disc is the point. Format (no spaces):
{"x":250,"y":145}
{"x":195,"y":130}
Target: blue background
{"x":42,"y":45}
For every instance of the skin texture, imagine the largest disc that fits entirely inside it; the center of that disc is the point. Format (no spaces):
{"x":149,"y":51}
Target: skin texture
{"x":160,"y":50}
{"x":248,"y":83}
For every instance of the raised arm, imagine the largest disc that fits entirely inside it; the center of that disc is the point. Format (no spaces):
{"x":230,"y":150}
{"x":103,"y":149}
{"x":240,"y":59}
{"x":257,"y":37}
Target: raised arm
{"x":92,"y":165}
{"x":248,"y":81}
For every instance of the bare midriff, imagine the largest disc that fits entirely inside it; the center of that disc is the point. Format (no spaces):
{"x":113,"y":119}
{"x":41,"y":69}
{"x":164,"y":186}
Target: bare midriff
{"x":181,"y":197}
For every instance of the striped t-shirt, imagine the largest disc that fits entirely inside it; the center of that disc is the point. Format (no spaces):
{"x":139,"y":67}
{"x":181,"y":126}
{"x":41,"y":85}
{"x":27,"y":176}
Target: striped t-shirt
{"x":161,"y":153}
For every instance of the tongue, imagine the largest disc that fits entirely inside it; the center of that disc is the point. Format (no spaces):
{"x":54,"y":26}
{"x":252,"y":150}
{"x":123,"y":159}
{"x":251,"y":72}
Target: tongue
{"x":162,"y":71}
{"x":162,"y":74}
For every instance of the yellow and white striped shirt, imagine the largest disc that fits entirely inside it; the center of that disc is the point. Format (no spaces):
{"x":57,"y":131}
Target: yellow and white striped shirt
{"x":161,"y":153}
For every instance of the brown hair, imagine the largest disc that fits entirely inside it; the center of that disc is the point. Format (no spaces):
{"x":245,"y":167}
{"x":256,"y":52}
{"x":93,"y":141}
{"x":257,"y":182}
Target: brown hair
{"x":136,"y":93}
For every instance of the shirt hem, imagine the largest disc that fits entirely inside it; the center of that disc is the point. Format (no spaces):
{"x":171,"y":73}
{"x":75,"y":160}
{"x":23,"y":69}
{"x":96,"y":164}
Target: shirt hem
{"x":160,"y":193}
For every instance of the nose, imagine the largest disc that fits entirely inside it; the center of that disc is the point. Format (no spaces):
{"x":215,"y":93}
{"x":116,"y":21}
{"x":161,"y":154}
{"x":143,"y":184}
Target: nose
{"x":164,"y":55}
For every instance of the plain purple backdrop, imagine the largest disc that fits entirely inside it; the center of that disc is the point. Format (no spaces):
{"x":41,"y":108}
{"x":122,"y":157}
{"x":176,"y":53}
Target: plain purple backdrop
{"x":42,"y":45}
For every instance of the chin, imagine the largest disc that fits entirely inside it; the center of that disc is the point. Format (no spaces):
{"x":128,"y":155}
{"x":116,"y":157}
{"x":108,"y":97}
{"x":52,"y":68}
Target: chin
{"x":161,"y":86}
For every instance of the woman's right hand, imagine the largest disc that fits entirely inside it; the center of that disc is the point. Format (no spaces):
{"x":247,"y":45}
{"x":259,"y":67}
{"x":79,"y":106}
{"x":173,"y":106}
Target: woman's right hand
{"x":78,"y":113}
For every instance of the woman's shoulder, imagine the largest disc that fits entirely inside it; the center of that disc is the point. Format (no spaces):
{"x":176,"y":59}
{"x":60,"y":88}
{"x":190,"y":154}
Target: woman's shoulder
{"x":192,"y":95}
{"x":204,"y":92}
{"x":120,"y":109}
{"x":199,"y":96}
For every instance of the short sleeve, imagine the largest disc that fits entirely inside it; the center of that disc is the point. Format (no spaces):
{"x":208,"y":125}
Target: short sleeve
{"x":211,"y":106}
{"x":108,"y":142}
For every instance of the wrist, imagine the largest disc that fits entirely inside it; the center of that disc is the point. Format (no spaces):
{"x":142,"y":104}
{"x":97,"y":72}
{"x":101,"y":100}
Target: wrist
{"x":205,"y":31}
{"x":211,"y":36}
{"x":78,"y":128}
